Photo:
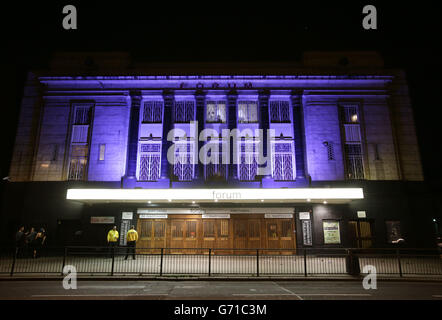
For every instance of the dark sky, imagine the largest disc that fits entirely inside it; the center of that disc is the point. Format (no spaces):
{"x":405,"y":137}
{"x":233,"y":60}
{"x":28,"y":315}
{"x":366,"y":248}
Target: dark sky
{"x":219,"y":31}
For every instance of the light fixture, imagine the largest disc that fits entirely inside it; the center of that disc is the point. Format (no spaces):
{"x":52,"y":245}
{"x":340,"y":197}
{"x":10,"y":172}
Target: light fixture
{"x":193,"y":202}
{"x":149,"y":201}
{"x":308,"y":200}
{"x":216,"y":200}
{"x":434,"y":220}
{"x":262,"y":200}
{"x":325,"y":202}
{"x":170,"y":200}
{"x":354,"y":118}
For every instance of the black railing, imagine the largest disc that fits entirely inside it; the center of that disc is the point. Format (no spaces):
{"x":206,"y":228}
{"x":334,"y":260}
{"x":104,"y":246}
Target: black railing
{"x":225,"y":261}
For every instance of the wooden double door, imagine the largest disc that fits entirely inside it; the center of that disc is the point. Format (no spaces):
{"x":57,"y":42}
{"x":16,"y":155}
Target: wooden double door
{"x":186,"y":233}
{"x":361,"y":233}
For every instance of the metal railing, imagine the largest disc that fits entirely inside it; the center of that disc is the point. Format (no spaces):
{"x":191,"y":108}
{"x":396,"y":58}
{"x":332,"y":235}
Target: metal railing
{"x":222,"y":261}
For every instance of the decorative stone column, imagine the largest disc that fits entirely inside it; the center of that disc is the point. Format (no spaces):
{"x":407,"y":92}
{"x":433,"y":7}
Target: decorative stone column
{"x":132,"y":150}
{"x":232,"y":98}
{"x":299,"y":137}
{"x":168,"y":97}
{"x":264,"y":125}
{"x":200,"y":98}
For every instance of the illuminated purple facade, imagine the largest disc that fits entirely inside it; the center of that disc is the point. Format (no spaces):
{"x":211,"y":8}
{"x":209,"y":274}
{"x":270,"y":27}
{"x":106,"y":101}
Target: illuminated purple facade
{"x":341,"y":129}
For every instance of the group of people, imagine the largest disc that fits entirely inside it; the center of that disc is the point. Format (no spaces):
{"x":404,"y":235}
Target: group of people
{"x":131,"y":240}
{"x":29,"y":243}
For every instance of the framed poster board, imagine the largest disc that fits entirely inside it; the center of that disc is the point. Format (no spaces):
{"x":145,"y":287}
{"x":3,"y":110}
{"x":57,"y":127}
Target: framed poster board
{"x":332,"y":234}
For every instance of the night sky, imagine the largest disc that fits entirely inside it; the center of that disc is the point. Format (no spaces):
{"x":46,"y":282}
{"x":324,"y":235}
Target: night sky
{"x":220,"y":31}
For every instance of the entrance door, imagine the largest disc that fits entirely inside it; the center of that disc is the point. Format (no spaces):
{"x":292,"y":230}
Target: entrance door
{"x":184,"y":235}
{"x":246,"y":235}
{"x":216,"y":234}
{"x":360,"y":233}
{"x":280,"y":235}
{"x":152,"y":234}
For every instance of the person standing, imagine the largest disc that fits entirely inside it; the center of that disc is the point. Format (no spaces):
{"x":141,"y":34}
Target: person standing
{"x":30,"y":240}
{"x":131,"y":238}
{"x":112,"y":239}
{"x":20,"y":242}
{"x":40,"y":241}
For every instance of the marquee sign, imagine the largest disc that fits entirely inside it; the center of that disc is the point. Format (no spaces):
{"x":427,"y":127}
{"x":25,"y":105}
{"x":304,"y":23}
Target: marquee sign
{"x":257,"y":195}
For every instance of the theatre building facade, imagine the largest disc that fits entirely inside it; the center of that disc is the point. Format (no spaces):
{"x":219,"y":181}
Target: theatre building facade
{"x":322,"y":154}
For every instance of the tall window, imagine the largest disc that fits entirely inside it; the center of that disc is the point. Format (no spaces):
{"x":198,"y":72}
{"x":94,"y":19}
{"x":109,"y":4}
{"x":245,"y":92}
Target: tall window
{"x":79,"y":148}
{"x":352,"y":141}
{"x":248,"y":164}
{"x":282,"y":161}
{"x":184,"y":111}
{"x":78,"y":162}
{"x":279,"y":111}
{"x":150,"y":162}
{"x":247,"y":111}
{"x":184,"y":164}
{"x":216,"y":111}
{"x":152,"y":112}
{"x":216,"y":169}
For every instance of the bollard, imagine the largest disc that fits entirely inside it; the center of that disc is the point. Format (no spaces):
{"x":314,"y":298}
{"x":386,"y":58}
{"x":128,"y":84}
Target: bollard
{"x":352,"y":264}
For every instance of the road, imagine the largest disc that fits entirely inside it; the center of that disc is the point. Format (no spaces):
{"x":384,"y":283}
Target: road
{"x":210,"y":290}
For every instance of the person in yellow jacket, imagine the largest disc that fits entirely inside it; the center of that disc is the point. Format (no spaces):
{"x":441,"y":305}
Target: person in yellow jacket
{"x":112,"y":239}
{"x":131,"y":238}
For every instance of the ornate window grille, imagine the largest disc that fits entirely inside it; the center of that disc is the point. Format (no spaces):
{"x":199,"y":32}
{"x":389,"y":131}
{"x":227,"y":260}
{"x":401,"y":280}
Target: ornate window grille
{"x":183,"y":168}
{"x":355,"y":163}
{"x":82,"y":115}
{"x":282,"y":161}
{"x":248,"y":160}
{"x":217,"y":168}
{"x":216,"y":111}
{"x":280,"y":111}
{"x":354,"y":159}
{"x":330,"y":150}
{"x":247,"y":111}
{"x":153,"y":112}
{"x":150,"y":162}
{"x":184,"y":111}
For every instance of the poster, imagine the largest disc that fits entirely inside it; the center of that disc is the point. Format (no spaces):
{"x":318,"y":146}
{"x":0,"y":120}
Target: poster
{"x":307,"y":232}
{"x":331,"y":232}
{"x":125,"y":225}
